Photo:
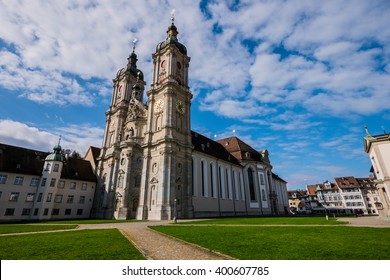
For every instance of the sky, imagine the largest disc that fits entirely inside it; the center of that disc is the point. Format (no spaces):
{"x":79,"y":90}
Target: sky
{"x":299,"y":78}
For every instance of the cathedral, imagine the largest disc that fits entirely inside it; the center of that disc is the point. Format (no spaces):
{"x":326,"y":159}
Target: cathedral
{"x":152,"y":166}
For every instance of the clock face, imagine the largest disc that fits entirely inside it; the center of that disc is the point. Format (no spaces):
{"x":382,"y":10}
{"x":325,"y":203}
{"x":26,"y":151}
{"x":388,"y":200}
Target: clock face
{"x":159,"y":106}
{"x":180,"y":107}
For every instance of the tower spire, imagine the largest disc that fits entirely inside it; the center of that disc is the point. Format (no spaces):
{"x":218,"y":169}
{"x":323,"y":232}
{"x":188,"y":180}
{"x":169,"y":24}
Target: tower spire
{"x":132,"y":59}
{"x":366,"y":129}
{"x":173,"y":15}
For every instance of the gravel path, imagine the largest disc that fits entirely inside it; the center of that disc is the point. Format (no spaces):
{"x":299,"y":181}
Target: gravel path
{"x":157,"y":246}
{"x":366,"y":221}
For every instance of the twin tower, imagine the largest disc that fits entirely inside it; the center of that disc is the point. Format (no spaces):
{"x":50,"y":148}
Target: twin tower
{"x":145,"y":165}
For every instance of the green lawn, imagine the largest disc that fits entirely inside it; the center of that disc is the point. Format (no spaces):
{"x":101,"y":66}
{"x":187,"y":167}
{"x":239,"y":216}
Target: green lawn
{"x":105,"y":244}
{"x":97,"y":221}
{"x":16,"y":228}
{"x":307,"y":220}
{"x":288,"y":242}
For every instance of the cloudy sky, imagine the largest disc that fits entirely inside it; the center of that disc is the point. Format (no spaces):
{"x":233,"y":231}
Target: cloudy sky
{"x":299,"y":78}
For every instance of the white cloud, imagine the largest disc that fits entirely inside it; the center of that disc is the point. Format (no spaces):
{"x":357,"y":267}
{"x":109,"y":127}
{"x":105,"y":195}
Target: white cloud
{"x":74,"y":137}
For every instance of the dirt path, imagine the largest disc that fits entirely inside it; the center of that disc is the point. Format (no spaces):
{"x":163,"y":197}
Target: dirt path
{"x":156,"y":246}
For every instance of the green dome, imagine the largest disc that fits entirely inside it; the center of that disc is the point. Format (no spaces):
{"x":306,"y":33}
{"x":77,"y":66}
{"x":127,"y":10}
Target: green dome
{"x":56,"y":156}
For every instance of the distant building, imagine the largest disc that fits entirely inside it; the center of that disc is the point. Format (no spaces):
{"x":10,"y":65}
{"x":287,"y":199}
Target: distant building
{"x":314,"y":205}
{"x":378,"y":148}
{"x":370,"y":195}
{"x":347,"y":195}
{"x":298,"y":202}
{"x":35,"y":185}
{"x":329,"y":197}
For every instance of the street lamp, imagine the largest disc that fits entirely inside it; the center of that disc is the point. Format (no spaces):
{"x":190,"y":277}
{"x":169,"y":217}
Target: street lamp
{"x":175,"y":211}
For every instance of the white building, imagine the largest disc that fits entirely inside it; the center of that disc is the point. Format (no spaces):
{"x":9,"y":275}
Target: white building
{"x":378,"y":148}
{"x":152,"y":166}
{"x":35,"y":185}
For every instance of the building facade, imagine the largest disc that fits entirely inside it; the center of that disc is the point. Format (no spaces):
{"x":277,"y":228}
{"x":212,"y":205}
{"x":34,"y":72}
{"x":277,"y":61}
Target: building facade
{"x":153,"y":166}
{"x":378,"y":149}
{"x":35,"y":185}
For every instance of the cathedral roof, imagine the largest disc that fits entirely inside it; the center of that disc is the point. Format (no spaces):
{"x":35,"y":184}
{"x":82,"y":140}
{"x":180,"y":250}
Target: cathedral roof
{"x":240,"y":150}
{"x":206,"y":145}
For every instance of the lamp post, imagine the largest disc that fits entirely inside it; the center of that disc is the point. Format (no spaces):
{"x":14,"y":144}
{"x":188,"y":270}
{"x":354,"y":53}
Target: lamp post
{"x":175,"y":211}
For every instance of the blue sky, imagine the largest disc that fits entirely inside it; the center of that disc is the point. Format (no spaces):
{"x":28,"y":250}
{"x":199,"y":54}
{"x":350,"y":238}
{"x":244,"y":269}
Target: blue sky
{"x":299,"y":78}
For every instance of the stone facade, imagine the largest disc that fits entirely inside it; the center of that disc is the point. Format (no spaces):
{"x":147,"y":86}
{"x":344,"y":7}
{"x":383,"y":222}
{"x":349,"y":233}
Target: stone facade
{"x":152,"y":166}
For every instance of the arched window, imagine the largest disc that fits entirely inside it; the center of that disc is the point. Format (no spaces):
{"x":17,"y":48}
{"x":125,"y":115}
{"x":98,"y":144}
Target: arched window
{"x":251,"y":185}
{"x":212,"y":180}
{"x":203,"y":179}
{"x":192,"y":178}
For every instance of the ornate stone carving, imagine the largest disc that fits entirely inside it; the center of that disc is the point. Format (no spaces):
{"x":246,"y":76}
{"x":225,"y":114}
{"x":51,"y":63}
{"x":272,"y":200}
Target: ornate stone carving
{"x":136,"y":110}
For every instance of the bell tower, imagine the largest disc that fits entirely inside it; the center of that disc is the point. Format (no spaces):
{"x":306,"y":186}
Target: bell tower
{"x":166,"y":178}
{"x":121,"y":157}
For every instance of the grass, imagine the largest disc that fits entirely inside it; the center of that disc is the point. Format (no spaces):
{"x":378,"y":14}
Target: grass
{"x":307,"y":220}
{"x":83,"y":222}
{"x":105,"y":244}
{"x":288,"y":243}
{"x":17,"y":228}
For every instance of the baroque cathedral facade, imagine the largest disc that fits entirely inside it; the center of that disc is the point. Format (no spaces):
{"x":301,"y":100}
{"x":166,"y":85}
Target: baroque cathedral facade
{"x":152,"y":166}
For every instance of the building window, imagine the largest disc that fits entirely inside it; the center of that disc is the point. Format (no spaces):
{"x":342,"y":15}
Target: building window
{"x":82,"y":199}
{"x":137,"y":181}
{"x":52,"y":182}
{"x":70,"y":199}
{"x":263,"y":195}
{"x":61,"y":184}
{"x":34,"y":182}
{"x":14,"y":196}
{"x":79,"y":212}
{"x":73,"y":185}
{"x":39,"y":199}
{"x":30,"y":197}
{"x":1,"y":193}
{"x":45,"y":211}
{"x":220,"y":182}
{"x":56,"y":167}
{"x":227,"y":184}
{"x":55,"y":212}
{"x":18,"y":180}
{"x":58,"y":198}
{"x":203,"y":179}
{"x":192,"y":178}
{"x":26,"y":211}
{"x":262,"y":179}
{"x":43,"y":183}
{"x":83,"y":186}
{"x":251,"y":185}
{"x":3,"y":179}
{"x":48,"y":165}
{"x":212,"y":180}
{"x":36,"y":211}
{"x":49,"y":195}
{"x":9,"y":212}
{"x":68,"y":211}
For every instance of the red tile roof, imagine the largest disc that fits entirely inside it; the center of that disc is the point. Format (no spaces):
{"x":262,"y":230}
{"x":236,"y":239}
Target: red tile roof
{"x":239,"y":149}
